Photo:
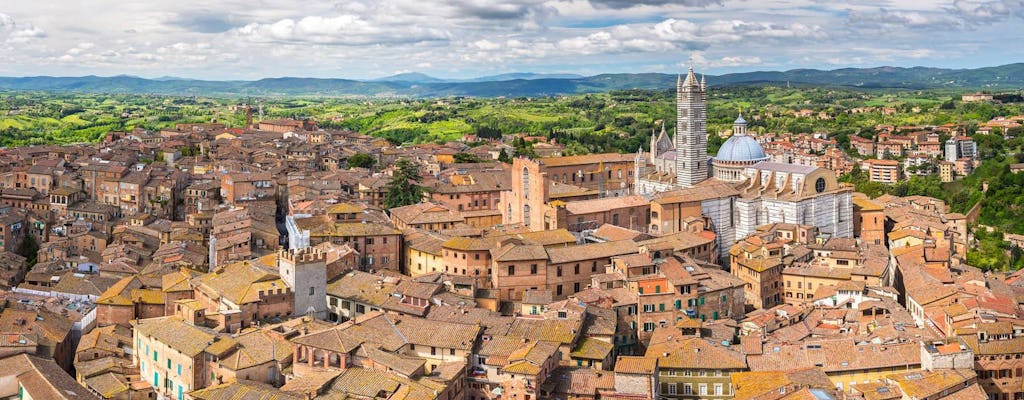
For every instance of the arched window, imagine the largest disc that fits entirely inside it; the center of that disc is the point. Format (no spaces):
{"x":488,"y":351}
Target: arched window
{"x":819,"y":185}
{"x":526,"y":183}
{"x":526,"y":215}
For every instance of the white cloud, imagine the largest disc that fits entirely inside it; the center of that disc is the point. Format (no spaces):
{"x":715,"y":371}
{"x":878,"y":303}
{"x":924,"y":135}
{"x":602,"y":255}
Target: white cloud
{"x":361,"y":38}
{"x":12,"y":31}
{"x":697,"y":59}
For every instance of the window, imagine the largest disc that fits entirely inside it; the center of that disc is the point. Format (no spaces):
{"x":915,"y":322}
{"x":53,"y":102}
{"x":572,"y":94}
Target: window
{"x":558,"y":270}
{"x":451,"y":352}
{"x":433,"y":351}
{"x":155,"y":355}
{"x":648,"y":326}
{"x":533,"y":269}
{"x":718,"y":389}
{"x":819,"y":185}
{"x":312,"y":290}
{"x":511,"y":270}
{"x":648,"y":307}
{"x":672,"y":388}
{"x":179,"y":369}
{"x":703,"y":389}
{"x":558,"y":290}
{"x":687,"y":388}
{"x":576,"y":269}
{"x":661,"y":307}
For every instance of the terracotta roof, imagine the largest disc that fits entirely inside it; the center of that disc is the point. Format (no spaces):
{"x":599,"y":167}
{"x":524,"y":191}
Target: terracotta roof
{"x":175,"y":333}
{"x":636,"y":365}
{"x":591,"y":349}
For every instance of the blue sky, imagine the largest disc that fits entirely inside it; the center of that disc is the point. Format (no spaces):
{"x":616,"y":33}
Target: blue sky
{"x":252,"y":39}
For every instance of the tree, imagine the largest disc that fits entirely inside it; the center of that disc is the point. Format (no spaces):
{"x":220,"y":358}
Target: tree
{"x":361,"y":160}
{"x":402,"y":189}
{"x":467,"y":158}
{"x":504,"y":157}
{"x":28,"y":248}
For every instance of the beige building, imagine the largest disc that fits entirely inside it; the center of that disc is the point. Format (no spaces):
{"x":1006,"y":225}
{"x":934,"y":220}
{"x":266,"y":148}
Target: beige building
{"x":692,"y":367}
{"x":171,"y":354}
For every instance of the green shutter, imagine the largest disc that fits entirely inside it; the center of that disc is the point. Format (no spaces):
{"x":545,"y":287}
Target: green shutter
{"x":661,"y":307}
{"x":641,"y":290}
{"x":679,"y":304}
{"x":714,"y":315}
{"x":701,"y":301}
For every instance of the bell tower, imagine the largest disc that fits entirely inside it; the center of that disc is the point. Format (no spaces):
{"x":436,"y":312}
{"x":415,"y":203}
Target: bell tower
{"x":691,"y":131}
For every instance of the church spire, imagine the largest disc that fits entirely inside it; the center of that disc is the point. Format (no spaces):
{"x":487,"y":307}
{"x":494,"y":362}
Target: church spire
{"x":691,"y":78}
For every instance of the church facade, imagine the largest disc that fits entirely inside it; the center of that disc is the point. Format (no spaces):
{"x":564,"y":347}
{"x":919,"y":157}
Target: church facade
{"x":738,"y":189}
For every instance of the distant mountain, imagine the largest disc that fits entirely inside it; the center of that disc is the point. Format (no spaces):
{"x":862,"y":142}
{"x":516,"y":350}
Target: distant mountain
{"x":409,"y":77}
{"x":1010,"y":76}
{"x":521,"y":75}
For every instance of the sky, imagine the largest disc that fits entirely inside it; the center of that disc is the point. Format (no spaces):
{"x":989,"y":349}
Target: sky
{"x":365,"y":39}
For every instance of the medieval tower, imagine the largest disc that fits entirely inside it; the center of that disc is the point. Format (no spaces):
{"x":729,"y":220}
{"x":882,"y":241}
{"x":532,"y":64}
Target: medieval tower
{"x":691,"y":131}
{"x":305,"y":271}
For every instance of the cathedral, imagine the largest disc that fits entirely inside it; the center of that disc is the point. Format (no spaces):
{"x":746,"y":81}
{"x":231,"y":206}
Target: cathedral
{"x":738,"y":189}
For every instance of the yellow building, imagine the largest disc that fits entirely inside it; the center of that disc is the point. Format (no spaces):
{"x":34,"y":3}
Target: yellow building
{"x":423,"y":252}
{"x":170,"y":354}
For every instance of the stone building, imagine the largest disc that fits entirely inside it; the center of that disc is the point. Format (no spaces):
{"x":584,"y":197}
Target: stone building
{"x":305,"y":271}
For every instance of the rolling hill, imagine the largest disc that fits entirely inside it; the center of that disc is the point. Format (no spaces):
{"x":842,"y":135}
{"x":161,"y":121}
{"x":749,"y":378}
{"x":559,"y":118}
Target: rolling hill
{"x":1010,"y":76}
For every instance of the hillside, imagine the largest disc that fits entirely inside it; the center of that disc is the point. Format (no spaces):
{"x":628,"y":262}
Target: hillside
{"x":1010,"y":76}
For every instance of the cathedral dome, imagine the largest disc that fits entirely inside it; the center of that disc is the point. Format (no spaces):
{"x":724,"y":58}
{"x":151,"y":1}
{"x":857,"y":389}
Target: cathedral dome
{"x":741,"y":148}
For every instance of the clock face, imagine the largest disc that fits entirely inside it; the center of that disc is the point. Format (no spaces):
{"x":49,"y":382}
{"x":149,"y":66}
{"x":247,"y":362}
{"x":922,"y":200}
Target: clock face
{"x":819,"y":185}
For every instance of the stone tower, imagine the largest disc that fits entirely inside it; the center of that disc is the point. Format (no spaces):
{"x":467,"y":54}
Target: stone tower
{"x":691,"y":131}
{"x":305,"y":271}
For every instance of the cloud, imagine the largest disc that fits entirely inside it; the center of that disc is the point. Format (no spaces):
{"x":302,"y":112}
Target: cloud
{"x":13,"y":32}
{"x":975,"y":11}
{"x":620,"y":4}
{"x":343,"y":29}
{"x":465,"y":38}
{"x":699,"y":60}
{"x":204,"y":21}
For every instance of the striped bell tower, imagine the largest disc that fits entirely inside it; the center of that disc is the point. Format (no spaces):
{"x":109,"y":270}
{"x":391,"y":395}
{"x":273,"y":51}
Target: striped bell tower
{"x":691,"y":131}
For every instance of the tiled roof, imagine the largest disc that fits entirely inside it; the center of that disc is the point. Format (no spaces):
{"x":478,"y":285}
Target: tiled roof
{"x":421,"y":331}
{"x":239,"y":282}
{"x":177,"y":334}
{"x":636,"y":365}
{"x":245,"y":390}
{"x":675,"y":351}
{"x":43,"y":378}
{"x":592,"y":349}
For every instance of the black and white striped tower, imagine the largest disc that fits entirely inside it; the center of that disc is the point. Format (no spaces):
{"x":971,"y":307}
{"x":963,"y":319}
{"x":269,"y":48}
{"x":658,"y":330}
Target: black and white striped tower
{"x":691,"y":131}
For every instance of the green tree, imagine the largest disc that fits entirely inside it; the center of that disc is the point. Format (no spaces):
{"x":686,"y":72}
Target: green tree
{"x":467,"y":158}
{"x":361,"y":160}
{"x":28,"y":248}
{"x":402,"y":189}
{"x":504,"y":157}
